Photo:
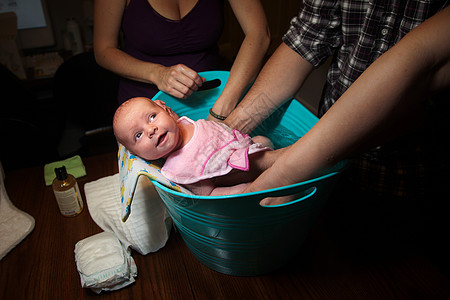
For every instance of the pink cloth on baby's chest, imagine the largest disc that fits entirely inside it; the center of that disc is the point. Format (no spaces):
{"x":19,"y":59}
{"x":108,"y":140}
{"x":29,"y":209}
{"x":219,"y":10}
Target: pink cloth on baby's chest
{"x":213,"y":150}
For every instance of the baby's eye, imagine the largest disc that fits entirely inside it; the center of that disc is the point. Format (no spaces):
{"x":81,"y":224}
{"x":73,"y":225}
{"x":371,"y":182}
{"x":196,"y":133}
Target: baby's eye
{"x":138,"y":135}
{"x":152,"y":117}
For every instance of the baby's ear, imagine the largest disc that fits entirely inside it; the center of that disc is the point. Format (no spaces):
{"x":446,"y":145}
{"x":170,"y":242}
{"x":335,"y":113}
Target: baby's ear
{"x":167,"y":109}
{"x":160,"y":103}
{"x":172,"y":113}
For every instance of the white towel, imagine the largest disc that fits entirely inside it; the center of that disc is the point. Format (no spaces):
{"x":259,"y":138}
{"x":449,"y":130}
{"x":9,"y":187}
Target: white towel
{"x":149,"y":224}
{"x":15,"y":224}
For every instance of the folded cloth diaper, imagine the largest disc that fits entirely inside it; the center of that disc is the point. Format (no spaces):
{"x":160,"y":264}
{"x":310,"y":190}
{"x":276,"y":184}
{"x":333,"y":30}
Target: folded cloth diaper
{"x":130,"y":168}
{"x":148,"y":228}
{"x":74,"y":166}
{"x":15,"y":224}
{"x":103,"y":263}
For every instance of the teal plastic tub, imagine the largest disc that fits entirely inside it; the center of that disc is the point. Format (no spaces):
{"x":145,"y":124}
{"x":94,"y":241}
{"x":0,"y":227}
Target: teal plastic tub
{"x":234,"y":234}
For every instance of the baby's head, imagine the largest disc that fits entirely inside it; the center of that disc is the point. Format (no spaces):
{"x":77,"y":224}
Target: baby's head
{"x":147,"y":128}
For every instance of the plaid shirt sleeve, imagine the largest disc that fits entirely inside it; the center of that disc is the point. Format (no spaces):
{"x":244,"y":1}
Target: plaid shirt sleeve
{"x":316,"y":31}
{"x":356,"y":32}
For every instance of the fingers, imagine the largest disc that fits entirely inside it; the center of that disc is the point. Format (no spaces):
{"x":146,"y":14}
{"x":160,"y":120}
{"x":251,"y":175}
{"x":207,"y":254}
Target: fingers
{"x":278,"y":200}
{"x":193,"y":78}
{"x":181,"y":81}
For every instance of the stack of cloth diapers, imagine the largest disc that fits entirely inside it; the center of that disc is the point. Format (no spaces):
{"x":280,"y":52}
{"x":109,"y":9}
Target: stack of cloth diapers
{"x":145,"y":228}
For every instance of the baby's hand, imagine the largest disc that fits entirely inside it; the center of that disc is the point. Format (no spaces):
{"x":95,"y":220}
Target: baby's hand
{"x":266,"y":142}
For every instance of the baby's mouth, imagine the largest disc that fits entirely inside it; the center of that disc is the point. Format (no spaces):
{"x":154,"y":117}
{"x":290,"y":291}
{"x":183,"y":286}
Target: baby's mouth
{"x":161,"y":139}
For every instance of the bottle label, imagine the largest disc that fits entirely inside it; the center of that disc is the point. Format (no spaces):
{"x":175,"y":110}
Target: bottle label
{"x":70,"y":202}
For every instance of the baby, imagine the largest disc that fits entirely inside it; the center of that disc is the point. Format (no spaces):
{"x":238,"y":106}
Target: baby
{"x":206,"y":157}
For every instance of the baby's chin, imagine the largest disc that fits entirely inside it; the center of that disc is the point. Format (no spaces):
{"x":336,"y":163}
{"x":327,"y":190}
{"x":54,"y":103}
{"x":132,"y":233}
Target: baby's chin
{"x":139,"y":154}
{"x":151,"y":157}
{"x":147,"y":157}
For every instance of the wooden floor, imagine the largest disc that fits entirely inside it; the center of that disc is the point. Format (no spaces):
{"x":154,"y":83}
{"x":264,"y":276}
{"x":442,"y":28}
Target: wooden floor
{"x":43,"y":266}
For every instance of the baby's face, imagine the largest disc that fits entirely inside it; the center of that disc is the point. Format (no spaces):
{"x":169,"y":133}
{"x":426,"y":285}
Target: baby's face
{"x":147,"y":128}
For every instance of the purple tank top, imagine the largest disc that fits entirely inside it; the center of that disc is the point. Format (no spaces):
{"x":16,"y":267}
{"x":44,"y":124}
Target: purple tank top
{"x":151,"y":37}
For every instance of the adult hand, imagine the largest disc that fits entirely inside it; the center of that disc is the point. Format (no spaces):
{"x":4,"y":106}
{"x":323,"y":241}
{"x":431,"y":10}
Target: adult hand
{"x":178,"y":80}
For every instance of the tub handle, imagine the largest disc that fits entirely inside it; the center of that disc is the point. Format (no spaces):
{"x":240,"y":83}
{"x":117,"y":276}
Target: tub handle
{"x":210,"y":84}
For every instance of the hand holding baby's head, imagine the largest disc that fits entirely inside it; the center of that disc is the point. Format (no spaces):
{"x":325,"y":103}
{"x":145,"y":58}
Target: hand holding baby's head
{"x":147,"y":128}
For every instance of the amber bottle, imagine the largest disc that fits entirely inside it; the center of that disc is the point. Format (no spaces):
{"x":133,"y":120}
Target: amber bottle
{"x":67,"y":193}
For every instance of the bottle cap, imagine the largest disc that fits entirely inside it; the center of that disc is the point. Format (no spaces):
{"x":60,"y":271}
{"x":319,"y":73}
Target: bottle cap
{"x":61,"y":173}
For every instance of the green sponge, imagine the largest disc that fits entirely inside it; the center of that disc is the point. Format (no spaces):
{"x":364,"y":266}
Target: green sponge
{"x":74,"y":166}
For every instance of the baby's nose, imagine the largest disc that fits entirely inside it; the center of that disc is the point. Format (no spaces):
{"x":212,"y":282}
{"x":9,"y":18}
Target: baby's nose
{"x":151,"y":131}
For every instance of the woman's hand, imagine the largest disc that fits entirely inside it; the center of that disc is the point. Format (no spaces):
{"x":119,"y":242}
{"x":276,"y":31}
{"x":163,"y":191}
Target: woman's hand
{"x":178,"y":80}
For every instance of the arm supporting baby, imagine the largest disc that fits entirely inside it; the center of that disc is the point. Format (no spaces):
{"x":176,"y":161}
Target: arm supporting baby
{"x":418,"y":66}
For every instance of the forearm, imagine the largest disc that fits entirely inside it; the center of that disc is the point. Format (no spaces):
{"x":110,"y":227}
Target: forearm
{"x":278,"y":82}
{"x":107,"y":21}
{"x":417,"y":66}
{"x":121,"y":63}
{"x":251,"y":17}
{"x":244,"y":70}
{"x":178,"y":80}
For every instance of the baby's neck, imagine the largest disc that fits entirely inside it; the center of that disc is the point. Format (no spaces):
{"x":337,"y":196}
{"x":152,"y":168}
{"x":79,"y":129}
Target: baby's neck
{"x":186,"y":133}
